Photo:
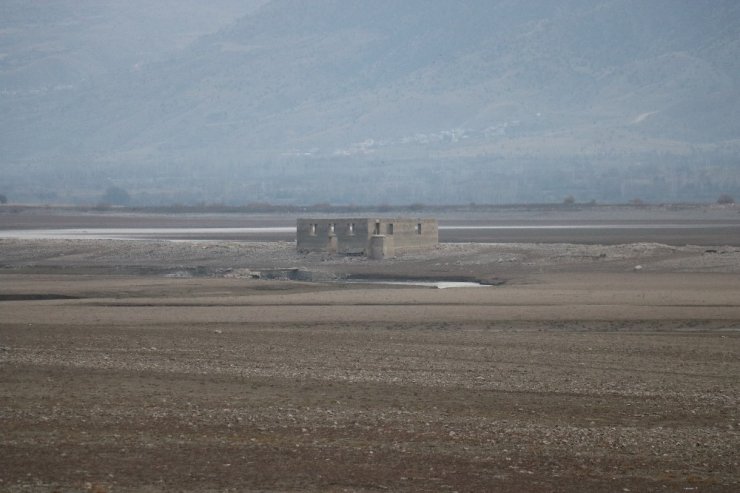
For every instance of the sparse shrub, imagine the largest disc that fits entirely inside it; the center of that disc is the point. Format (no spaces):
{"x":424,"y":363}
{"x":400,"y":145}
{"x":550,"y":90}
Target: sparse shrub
{"x":3,"y":199}
{"x":569,"y":200}
{"x":725,"y":199}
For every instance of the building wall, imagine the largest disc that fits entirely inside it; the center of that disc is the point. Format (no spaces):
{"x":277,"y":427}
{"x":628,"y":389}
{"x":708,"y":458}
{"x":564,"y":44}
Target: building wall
{"x":407,"y":237}
{"x":352,"y":236}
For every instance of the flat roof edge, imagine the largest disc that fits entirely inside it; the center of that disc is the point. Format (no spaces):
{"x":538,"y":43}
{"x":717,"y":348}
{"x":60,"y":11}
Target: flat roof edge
{"x":367,"y":218}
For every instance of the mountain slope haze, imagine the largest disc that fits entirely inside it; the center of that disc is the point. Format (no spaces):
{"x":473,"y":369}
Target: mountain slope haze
{"x":369,"y":102}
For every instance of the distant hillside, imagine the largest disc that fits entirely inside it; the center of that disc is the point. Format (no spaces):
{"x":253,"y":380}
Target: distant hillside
{"x":368,"y":102}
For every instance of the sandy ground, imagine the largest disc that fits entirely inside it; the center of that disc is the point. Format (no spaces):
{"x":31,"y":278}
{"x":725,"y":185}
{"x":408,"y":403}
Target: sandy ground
{"x":164,"y":366}
{"x":508,"y":261}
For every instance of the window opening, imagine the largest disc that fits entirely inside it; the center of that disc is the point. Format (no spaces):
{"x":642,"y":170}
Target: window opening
{"x":351,"y":228}
{"x":313,"y":229}
{"x":376,"y":229}
{"x":389,"y":228}
{"x":418,"y":228}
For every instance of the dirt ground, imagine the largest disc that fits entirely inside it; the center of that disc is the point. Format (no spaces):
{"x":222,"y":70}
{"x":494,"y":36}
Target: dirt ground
{"x":165,"y":366}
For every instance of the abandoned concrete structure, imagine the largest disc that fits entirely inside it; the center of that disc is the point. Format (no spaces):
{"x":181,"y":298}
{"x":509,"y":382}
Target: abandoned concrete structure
{"x":374,"y":238}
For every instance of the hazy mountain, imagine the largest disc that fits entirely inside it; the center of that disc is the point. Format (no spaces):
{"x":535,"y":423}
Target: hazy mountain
{"x":371,"y":101}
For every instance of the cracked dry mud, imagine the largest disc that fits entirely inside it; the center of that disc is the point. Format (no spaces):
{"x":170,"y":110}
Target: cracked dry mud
{"x":578,"y":374}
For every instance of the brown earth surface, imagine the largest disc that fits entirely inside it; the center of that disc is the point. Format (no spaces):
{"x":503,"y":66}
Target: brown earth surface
{"x":164,"y":366}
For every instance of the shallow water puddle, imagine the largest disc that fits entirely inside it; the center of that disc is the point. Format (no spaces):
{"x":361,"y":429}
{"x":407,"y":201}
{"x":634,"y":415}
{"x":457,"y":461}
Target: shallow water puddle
{"x":426,"y":284}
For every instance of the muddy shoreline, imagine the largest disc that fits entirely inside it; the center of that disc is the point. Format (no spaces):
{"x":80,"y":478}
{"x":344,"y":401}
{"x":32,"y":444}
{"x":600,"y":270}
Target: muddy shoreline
{"x":696,"y":225}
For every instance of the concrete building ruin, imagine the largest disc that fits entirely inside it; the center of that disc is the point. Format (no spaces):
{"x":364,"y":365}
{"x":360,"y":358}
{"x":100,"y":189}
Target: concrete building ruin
{"x":374,"y":238}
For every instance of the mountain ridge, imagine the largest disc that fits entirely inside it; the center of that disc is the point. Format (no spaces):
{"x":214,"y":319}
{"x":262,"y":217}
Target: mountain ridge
{"x":294,"y":88}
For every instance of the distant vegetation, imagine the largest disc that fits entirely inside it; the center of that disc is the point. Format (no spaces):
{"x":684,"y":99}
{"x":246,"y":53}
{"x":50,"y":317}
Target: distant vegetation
{"x":726,"y":199}
{"x":415,"y":209}
{"x":115,"y":196}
